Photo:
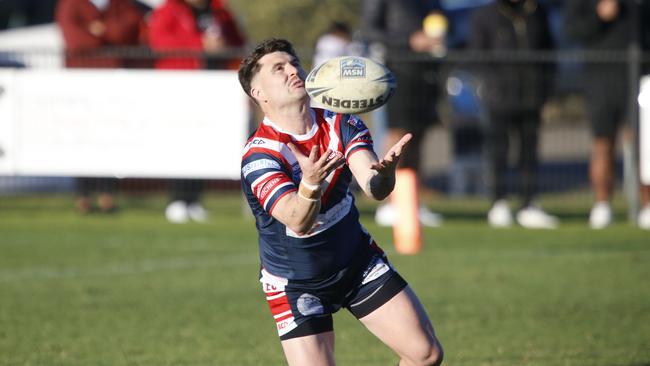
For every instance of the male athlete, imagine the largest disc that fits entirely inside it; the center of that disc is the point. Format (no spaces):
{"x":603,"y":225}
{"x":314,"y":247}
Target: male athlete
{"x":316,"y":257}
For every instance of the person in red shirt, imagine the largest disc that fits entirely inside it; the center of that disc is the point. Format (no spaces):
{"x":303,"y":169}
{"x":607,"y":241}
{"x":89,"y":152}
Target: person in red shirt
{"x":194,"y":26}
{"x":191,"y":35}
{"x":88,"y":28}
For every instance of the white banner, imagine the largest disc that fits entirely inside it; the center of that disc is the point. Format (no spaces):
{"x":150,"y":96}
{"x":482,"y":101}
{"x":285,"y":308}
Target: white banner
{"x":122,"y":123}
{"x":644,"y":130}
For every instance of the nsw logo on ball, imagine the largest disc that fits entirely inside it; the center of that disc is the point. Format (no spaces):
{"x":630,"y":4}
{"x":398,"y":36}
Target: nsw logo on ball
{"x":353,"y":68}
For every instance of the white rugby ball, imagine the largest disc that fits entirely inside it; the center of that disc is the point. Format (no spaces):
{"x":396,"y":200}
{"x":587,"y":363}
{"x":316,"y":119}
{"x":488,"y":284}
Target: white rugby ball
{"x":350,"y":85}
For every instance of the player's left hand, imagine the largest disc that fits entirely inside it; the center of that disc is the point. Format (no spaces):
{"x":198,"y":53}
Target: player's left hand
{"x":387,"y":165}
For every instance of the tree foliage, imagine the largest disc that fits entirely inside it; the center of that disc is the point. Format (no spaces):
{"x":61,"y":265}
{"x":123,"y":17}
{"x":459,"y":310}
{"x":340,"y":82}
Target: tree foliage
{"x":300,"y":21}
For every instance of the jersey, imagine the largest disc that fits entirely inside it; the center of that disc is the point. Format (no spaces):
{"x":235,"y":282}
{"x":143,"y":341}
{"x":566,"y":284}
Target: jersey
{"x":269,"y":171}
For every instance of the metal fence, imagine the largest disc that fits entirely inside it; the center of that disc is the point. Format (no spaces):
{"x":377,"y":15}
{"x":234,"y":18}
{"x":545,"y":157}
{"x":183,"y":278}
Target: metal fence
{"x":565,"y":138}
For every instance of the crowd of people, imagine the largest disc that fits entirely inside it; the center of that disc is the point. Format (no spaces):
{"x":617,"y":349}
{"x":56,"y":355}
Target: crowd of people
{"x":485,"y":126}
{"x":201,"y":30}
{"x":513,"y":92}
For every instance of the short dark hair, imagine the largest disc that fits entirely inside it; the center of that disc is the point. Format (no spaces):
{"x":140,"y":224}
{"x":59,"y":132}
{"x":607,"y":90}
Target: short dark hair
{"x":250,"y":66}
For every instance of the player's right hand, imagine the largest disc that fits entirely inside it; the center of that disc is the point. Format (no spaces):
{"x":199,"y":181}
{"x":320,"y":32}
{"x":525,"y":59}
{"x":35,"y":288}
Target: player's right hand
{"x":315,"y":167}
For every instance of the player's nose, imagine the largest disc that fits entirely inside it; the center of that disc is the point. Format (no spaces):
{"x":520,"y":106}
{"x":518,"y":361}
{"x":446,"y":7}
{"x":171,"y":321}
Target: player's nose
{"x":291,"y":69}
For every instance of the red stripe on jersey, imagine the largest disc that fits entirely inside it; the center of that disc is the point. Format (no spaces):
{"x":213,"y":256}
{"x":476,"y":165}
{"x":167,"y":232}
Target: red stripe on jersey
{"x":337,"y":172}
{"x":264,"y":187}
{"x":331,"y":186}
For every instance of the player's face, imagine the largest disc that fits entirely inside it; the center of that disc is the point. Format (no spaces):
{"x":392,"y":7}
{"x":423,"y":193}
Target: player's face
{"x":280,"y":80}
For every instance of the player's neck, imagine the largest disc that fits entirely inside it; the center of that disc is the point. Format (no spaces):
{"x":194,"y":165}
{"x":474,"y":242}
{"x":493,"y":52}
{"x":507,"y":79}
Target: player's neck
{"x":294,"y":119}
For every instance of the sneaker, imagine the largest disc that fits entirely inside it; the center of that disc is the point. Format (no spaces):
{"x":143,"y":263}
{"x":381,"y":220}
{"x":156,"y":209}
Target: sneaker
{"x":643,"y":220}
{"x":386,"y":215}
{"x":197,"y":213}
{"x":177,"y":212}
{"x":429,"y":218}
{"x":600,"y":215}
{"x":500,"y":215}
{"x":533,"y":217}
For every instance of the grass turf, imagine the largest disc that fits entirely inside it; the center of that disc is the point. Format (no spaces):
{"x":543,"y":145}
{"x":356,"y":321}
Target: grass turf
{"x":131,"y":289}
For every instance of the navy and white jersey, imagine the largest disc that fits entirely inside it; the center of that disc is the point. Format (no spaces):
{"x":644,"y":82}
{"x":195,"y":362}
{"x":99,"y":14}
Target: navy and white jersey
{"x":269,"y":171}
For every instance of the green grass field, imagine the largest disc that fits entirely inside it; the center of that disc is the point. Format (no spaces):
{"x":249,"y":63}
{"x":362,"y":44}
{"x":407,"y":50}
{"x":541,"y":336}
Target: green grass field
{"x":131,"y":289}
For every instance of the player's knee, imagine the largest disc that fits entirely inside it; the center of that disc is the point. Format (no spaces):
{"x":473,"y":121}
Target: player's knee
{"x":431,"y":356}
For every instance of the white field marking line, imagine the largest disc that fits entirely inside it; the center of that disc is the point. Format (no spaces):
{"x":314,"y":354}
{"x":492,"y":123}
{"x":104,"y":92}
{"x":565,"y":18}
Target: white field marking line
{"x":117,"y":269}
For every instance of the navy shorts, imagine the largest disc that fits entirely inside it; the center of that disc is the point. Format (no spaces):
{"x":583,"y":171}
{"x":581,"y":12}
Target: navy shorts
{"x":305,"y":307}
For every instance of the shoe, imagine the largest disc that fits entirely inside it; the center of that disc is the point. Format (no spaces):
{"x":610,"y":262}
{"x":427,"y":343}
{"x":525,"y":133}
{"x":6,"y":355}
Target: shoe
{"x":84,"y":205}
{"x":386,"y":215}
{"x":500,"y":215}
{"x":197,"y":213}
{"x":643,"y":220}
{"x":177,"y":212}
{"x":600,"y":215}
{"x":533,"y":217}
{"x":429,"y":218}
{"x":106,"y":203}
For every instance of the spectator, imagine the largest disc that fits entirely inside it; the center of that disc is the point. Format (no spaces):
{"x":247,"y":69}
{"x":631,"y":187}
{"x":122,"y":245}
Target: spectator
{"x":16,"y":13}
{"x":467,"y":130}
{"x":196,"y":28}
{"x":607,"y":25}
{"x":514,"y":95}
{"x":88,"y":26}
{"x":398,"y":26}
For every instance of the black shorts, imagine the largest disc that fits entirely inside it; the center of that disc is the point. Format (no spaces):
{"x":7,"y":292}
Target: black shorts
{"x":607,"y":105}
{"x":305,"y":307}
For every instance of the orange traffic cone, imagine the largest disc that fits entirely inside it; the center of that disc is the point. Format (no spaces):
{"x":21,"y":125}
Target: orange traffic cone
{"x":407,"y":232}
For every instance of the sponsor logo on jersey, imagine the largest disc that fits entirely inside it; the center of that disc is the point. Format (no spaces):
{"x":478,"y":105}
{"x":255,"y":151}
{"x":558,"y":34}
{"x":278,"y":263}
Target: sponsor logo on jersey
{"x":309,"y":304}
{"x":255,"y":142}
{"x":353,"y":67}
{"x":268,"y":187}
{"x":259,"y":165}
{"x":356,"y":122}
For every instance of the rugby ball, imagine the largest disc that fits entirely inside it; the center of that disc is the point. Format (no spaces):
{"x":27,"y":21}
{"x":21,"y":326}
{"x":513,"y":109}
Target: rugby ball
{"x":350,"y":85}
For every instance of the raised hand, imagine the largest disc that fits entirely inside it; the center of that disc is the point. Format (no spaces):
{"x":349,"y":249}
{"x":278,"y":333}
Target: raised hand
{"x":387,"y":165}
{"x":316,"y":168}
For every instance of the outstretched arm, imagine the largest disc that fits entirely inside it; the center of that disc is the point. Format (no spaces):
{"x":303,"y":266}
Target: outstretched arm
{"x":377,"y":177}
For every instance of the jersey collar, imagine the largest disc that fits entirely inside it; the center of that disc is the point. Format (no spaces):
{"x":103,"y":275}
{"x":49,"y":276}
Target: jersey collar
{"x":303,"y":137}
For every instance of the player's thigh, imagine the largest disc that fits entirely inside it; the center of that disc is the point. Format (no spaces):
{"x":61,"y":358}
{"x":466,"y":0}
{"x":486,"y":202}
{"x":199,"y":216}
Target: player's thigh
{"x":316,"y":349}
{"x":403,"y":325}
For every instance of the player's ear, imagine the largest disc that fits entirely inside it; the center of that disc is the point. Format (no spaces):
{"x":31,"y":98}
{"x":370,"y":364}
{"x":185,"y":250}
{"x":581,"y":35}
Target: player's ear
{"x":258,"y":94}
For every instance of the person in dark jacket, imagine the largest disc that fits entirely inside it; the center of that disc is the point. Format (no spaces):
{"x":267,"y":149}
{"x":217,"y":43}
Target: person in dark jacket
{"x":398,"y":26}
{"x":607,"y":25}
{"x":514,"y":94}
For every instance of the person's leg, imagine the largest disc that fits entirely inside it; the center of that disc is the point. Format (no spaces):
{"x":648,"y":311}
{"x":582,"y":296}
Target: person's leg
{"x":403,"y":325}
{"x":317,"y":350}
{"x":497,"y":146}
{"x":528,"y":160}
{"x":644,"y":191}
{"x":106,"y":188}
{"x":643,"y":219}
{"x":84,"y":190}
{"x":601,"y":167}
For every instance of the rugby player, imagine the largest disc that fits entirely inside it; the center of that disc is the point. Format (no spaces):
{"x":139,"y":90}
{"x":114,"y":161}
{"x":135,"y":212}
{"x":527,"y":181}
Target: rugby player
{"x":315,"y":256}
